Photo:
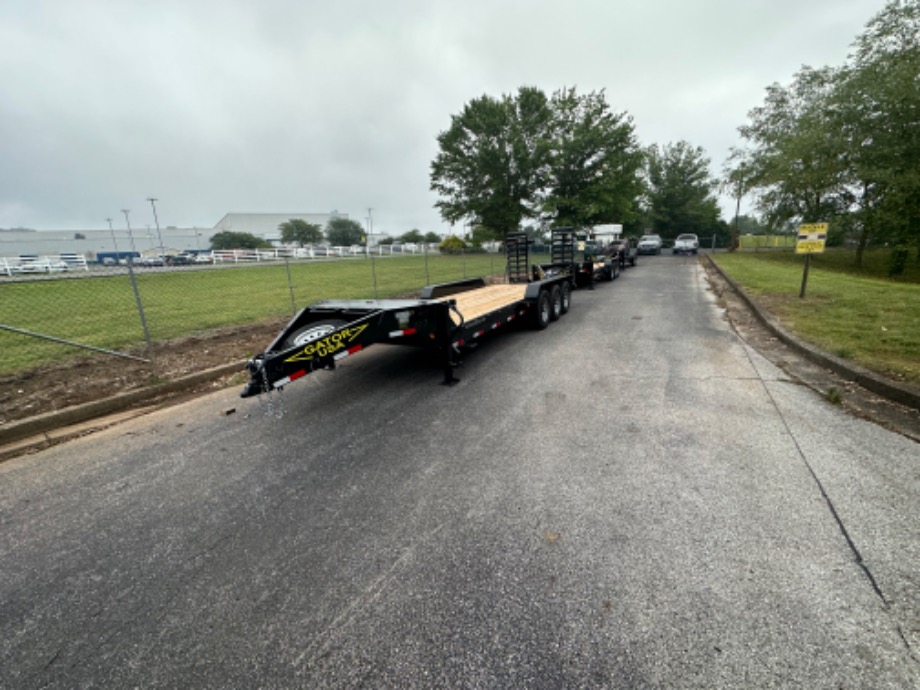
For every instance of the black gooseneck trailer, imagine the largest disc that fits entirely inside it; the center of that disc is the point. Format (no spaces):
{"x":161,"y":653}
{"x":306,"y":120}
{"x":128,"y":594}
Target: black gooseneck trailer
{"x":445,"y":318}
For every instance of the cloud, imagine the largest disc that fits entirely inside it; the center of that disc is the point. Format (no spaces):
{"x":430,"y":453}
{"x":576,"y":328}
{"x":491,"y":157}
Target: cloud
{"x":294,"y":106}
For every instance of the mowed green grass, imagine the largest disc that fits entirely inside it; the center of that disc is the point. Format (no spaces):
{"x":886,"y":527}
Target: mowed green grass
{"x":856,"y":314}
{"x":102,"y":311}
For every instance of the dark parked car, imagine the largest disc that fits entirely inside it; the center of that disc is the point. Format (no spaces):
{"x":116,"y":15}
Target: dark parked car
{"x":623,"y":250}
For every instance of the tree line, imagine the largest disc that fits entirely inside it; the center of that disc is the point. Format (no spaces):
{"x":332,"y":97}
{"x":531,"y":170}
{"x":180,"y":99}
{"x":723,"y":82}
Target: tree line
{"x":531,"y":161}
{"x":837,"y":144}
{"x":340,"y":232}
{"x":840,"y":145}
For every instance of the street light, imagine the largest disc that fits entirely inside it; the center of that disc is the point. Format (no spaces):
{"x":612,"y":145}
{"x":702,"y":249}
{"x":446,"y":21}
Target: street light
{"x":157,"y":221}
{"x":130,"y":235}
{"x":114,"y":241}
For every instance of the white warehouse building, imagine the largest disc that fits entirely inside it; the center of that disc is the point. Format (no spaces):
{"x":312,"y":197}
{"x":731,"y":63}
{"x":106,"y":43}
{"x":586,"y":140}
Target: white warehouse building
{"x":145,"y":240}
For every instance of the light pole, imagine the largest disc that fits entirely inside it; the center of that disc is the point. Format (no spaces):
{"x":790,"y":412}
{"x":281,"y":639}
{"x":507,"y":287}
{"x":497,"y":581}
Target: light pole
{"x":114,"y":241}
{"x":157,"y":221}
{"x":370,"y":229}
{"x":130,"y":235}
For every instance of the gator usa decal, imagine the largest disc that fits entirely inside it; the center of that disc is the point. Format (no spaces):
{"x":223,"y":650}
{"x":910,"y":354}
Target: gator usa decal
{"x":329,"y":345}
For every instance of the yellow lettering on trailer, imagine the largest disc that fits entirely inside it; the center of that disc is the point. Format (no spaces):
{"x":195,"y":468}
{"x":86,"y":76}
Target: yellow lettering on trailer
{"x":329,"y":345}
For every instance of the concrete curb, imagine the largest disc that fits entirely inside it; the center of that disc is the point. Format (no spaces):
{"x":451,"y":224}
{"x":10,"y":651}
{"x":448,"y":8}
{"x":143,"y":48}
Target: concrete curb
{"x":892,"y":390}
{"x":42,"y":424}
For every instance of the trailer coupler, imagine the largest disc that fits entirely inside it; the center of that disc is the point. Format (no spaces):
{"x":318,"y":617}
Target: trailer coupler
{"x":258,"y":382}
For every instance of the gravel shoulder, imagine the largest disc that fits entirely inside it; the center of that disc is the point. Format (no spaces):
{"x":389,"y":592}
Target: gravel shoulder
{"x":835,"y":388}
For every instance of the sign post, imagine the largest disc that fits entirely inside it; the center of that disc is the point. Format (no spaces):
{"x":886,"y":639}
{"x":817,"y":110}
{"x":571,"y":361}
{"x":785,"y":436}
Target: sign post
{"x":810,"y":240}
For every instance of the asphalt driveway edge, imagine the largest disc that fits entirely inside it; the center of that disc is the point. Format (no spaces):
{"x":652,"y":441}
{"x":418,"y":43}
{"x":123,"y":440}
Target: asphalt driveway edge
{"x":891,"y":390}
{"x":40,"y":424}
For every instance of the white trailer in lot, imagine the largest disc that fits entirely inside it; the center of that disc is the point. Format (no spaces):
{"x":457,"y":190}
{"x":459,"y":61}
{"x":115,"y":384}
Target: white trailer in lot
{"x":614,"y":229}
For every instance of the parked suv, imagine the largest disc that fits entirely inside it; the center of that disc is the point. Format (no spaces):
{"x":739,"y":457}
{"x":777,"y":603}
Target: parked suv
{"x":650,"y":244}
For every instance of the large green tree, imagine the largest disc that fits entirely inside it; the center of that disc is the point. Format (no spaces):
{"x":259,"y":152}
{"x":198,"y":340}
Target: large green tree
{"x":680,"y":191}
{"x":793,"y":158}
{"x":595,"y":162}
{"x":877,"y":114}
{"x":299,"y":231}
{"x":344,"y":232}
{"x":238,"y":240}
{"x":492,"y":164}
{"x":842,"y":144}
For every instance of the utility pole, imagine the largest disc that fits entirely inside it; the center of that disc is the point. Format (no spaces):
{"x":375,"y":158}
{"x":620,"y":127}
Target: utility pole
{"x":157,"y":221}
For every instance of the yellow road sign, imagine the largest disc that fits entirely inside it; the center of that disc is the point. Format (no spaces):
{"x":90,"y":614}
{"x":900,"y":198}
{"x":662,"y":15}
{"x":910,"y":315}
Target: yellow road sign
{"x":811,"y":238}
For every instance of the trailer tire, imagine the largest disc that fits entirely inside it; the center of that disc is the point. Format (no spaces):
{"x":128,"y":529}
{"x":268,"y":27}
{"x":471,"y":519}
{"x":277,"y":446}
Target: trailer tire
{"x":311,"y":332}
{"x":566,"y":289}
{"x":543,"y":312}
{"x":555,"y":300}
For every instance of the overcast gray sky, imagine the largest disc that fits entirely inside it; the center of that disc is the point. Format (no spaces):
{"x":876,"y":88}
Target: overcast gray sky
{"x":305,"y":106}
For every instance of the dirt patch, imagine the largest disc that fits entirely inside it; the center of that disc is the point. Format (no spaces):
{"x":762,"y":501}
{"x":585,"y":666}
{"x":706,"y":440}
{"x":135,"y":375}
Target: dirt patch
{"x":50,"y":388}
{"x":836,"y":389}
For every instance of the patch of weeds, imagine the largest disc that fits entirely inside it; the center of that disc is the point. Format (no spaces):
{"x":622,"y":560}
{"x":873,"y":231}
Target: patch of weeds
{"x":238,"y":379}
{"x":833,"y":396}
{"x":844,"y":353}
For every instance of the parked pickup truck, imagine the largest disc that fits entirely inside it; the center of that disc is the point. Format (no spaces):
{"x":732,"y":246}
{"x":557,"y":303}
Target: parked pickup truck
{"x":686,"y":244}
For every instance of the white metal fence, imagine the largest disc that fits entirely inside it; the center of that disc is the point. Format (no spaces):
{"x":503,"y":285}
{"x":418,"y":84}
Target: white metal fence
{"x":32,"y":264}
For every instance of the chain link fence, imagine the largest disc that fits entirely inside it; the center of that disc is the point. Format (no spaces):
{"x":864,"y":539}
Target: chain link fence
{"x":134,"y":310}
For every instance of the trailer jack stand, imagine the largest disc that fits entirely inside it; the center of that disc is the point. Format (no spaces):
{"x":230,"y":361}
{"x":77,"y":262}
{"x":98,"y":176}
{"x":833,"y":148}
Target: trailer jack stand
{"x":449,"y":378}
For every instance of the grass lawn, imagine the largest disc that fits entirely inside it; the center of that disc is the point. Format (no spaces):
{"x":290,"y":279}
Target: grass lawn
{"x":102,"y":310}
{"x":857,"y":315}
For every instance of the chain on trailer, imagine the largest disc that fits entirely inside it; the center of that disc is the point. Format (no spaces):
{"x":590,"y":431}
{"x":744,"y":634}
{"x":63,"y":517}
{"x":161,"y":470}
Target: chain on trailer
{"x":269,"y":409}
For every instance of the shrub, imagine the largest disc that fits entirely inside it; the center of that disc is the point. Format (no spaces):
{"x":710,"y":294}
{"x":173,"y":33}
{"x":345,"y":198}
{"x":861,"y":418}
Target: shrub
{"x":452,"y":245}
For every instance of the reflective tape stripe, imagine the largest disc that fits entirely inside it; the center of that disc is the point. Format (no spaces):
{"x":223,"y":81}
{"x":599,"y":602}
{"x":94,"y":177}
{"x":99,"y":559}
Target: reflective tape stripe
{"x":287,"y":379}
{"x":397,"y":334}
{"x":349,"y":351}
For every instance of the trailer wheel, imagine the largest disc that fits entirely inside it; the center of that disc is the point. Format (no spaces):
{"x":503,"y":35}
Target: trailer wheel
{"x":312,"y":331}
{"x":555,"y":300}
{"x":544,"y":311}
{"x":566,"y":297}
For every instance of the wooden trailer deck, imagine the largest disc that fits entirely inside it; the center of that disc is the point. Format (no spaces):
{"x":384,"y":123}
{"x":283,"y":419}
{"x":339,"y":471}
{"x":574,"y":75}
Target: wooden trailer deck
{"x":475,"y":303}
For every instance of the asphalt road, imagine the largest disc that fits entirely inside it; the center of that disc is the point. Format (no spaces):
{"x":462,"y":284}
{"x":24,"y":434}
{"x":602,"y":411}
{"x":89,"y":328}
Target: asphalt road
{"x":631,"y":498}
